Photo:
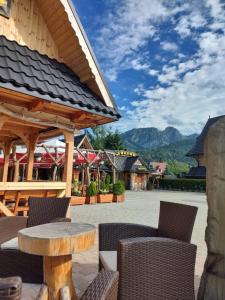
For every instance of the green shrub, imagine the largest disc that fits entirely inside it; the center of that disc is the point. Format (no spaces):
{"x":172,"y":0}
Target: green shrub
{"x":75,"y":189}
{"x":118,"y":188}
{"x":92,"y":189}
{"x":76,"y":193}
{"x":183,"y":184}
{"x":104,"y":189}
{"x":108,"y":181}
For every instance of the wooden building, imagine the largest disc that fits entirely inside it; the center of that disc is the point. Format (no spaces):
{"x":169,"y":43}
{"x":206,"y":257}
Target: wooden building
{"x":197,"y":152}
{"x":50,"y":84}
{"x":132,"y":170}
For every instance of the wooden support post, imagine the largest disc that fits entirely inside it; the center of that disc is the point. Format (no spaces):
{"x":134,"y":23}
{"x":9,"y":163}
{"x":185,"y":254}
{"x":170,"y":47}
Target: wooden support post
{"x":31,"y":148}
{"x":6,"y":150}
{"x":68,"y":166}
{"x":16,"y":171}
{"x":88,"y":175}
{"x":114,"y":171}
{"x":82,"y":176}
{"x":12,"y":175}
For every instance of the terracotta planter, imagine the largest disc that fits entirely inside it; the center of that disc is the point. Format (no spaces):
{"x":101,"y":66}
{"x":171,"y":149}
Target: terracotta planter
{"x":77,"y":200}
{"x":105,"y":198}
{"x":118,"y":198}
{"x":91,"y":199}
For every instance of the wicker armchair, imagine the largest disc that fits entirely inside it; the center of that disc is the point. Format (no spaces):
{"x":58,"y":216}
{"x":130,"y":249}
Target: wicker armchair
{"x":175,"y":221}
{"x":155,"y":269}
{"x":103,"y":287}
{"x":14,"y":262}
{"x":10,"y":288}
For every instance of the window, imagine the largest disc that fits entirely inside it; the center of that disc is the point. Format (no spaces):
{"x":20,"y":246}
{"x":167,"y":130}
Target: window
{"x":5,"y":6}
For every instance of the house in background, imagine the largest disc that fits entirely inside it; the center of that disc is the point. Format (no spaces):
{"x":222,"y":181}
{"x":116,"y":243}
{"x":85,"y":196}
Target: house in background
{"x":131,"y":168}
{"x":197,"y":152}
{"x":159,"y":167}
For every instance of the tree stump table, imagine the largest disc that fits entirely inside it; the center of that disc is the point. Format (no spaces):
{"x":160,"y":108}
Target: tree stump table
{"x":57,"y":242}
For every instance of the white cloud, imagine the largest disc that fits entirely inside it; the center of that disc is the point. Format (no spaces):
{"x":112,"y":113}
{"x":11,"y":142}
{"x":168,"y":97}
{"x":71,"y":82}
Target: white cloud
{"x":168,"y":46}
{"x":188,"y":22}
{"x":190,"y":87}
{"x":128,"y":29}
{"x":186,"y":103}
{"x":153,"y":72}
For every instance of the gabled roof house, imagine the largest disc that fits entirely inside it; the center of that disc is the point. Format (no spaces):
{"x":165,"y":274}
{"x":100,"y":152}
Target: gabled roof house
{"x":50,"y":80}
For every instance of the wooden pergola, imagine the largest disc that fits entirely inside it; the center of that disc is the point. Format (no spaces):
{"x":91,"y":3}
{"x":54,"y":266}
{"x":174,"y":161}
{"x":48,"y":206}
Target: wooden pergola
{"x":21,"y":125}
{"x":50,"y":85}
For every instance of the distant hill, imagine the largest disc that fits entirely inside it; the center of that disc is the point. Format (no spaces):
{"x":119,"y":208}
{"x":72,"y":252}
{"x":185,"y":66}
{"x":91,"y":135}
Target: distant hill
{"x":139,"y":139}
{"x":154,"y":145}
{"x":172,"y":152}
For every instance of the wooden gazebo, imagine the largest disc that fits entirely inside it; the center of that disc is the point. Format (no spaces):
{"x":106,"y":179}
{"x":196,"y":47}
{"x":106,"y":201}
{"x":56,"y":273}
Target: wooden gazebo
{"x":50,"y":84}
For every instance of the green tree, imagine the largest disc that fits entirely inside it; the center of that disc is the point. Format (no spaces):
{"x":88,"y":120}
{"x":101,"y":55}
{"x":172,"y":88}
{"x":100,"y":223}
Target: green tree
{"x":104,"y":138}
{"x":97,"y":137}
{"x":113,"y":141}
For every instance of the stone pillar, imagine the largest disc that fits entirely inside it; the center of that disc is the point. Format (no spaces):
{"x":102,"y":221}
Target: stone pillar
{"x":212,"y":285}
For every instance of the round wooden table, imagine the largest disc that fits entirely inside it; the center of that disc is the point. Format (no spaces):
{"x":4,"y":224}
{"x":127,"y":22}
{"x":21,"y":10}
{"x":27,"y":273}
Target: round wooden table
{"x":57,"y":242}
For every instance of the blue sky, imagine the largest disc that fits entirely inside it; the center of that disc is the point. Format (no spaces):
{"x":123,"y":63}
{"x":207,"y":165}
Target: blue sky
{"x":164,"y":60}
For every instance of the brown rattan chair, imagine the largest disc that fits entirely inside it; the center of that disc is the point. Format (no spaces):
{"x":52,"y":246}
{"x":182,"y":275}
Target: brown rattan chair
{"x":155,"y":269}
{"x":103,"y":287}
{"x":175,"y":221}
{"x":10,"y":288}
{"x":16,"y":263}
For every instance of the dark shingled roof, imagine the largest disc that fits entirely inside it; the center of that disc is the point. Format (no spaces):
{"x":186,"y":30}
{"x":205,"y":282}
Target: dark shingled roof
{"x":197,"y":172}
{"x":27,"y":71}
{"x":127,"y":164}
{"x":198,"y":148}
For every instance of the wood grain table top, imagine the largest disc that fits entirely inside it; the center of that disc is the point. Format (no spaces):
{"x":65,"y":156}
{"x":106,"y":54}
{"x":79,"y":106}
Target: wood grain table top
{"x":56,"y":239}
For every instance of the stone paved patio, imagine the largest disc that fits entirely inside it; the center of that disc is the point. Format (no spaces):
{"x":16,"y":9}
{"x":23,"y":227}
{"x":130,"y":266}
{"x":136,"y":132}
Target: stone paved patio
{"x":139,"y":207}
{"x":142,"y":208}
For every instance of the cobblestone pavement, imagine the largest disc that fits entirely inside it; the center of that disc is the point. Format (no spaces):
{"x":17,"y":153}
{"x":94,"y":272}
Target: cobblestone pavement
{"x":139,"y":207}
{"x":142,"y":208}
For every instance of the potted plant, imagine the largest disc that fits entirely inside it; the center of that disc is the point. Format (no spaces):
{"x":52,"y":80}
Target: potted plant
{"x":118,"y":191}
{"x":76,"y":197}
{"x":104,"y":196}
{"x":91,"y":193}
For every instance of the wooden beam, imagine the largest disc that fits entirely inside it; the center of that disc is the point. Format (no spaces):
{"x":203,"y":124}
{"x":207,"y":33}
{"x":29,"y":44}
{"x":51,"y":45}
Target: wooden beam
{"x":32,"y":118}
{"x":6,"y":212}
{"x":3,"y":119}
{"x":37,"y":106}
{"x":32,"y":143}
{"x":6,"y":149}
{"x":68,"y":166}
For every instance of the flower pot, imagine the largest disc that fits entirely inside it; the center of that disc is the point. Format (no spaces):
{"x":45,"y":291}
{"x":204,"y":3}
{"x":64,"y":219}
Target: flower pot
{"x":77,"y":200}
{"x":118,"y":198}
{"x":91,"y":199}
{"x":105,"y":198}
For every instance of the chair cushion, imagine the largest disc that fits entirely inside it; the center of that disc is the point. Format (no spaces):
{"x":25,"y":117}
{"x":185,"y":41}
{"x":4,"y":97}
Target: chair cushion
{"x":11,"y":244}
{"x":108,"y":260}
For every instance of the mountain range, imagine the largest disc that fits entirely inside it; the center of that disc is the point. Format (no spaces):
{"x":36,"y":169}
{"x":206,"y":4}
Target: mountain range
{"x":154,"y":144}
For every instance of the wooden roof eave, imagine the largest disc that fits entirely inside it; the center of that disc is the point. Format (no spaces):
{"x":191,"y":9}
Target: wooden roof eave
{"x":18,"y":125}
{"x":90,"y":72}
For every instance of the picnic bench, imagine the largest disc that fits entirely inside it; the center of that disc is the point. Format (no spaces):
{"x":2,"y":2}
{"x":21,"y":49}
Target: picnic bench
{"x":14,"y":195}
